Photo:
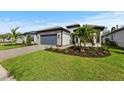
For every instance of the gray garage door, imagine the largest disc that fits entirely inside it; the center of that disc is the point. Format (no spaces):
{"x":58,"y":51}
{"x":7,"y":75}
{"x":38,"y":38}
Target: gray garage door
{"x":49,"y":39}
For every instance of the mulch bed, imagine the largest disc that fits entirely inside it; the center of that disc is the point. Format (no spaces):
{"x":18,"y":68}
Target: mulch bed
{"x":83,"y":52}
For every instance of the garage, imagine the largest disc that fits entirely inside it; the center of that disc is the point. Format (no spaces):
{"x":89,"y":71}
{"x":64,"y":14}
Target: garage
{"x":49,"y":39}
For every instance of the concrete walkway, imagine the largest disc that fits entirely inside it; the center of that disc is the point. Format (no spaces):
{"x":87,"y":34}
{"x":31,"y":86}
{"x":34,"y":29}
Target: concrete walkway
{"x":4,"y":75}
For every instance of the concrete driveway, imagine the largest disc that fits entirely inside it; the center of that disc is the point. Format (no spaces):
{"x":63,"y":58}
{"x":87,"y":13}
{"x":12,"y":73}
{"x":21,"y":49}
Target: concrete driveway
{"x":5,"y":54}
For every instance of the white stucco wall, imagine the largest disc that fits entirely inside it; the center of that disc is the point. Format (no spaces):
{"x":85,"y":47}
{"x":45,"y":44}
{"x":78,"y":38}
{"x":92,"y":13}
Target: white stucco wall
{"x":103,"y":38}
{"x":66,"y":38}
{"x":35,"y":39}
{"x":38,"y":39}
{"x":20,"y":39}
{"x":8,"y":40}
{"x":59,"y":35}
{"x":58,"y":32}
{"x":118,"y":38}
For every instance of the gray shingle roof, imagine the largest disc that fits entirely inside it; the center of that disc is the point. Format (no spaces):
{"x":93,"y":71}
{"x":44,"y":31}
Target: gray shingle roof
{"x":117,"y":30}
{"x":52,"y":29}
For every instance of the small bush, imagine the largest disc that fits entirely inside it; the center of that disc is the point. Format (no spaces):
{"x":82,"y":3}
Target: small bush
{"x":105,"y":47}
{"x":107,"y":41}
{"x":29,"y":39}
{"x":112,"y":43}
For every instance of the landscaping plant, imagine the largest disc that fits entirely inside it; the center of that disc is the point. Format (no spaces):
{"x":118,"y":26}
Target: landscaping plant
{"x":15,"y":34}
{"x":29,"y":39}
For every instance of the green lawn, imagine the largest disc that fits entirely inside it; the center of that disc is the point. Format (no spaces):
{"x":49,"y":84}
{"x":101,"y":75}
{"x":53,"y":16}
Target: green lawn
{"x":44,"y":65}
{"x":9,"y":46}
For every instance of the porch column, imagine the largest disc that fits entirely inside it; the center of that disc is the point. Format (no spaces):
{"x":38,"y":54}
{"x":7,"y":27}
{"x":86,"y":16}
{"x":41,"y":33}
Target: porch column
{"x":94,"y":39}
{"x":38,"y":39}
{"x":100,"y":40}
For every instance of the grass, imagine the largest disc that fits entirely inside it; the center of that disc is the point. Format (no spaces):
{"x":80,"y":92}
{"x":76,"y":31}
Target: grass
{"x":9,"y":46}
{"x":44,"y":65}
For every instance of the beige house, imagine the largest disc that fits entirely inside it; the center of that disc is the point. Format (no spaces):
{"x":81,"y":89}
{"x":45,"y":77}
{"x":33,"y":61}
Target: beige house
{"x":116,"y":36}
{"x":60,"y":36}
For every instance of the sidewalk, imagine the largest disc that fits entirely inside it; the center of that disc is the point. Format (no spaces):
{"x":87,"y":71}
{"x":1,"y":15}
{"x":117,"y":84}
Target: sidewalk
{"x":4,"y":75}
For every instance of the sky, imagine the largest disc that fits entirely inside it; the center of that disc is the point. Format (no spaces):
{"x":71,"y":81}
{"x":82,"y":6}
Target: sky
{"x":36,"y":20}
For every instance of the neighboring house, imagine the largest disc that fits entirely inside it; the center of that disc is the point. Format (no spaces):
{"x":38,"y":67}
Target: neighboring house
{"x":58,"y":35}
{"x":6,"y":40}
{"x":116,"y":36}
{"x":23,"y":37}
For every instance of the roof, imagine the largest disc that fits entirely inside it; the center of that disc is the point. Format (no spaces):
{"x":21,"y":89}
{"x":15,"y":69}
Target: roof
{"x":117,"y":30}
{"x":31,"y":32}
{"x":98,"y":27}
{"x":73,"y":25}
{"x":53,"y":29}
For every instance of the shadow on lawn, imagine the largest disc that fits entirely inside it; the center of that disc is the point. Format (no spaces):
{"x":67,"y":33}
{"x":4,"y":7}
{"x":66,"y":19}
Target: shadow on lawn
{"x":118,"y":52}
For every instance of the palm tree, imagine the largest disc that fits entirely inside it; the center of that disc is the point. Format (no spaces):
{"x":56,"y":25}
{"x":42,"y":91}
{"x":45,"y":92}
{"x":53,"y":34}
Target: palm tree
{"x":15,"y":34}
{"x":86,"y":33}
{"x":81,"y":34}
{"x":92,"y":33}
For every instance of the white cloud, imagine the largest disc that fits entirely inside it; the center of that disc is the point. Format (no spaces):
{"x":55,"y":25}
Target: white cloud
{"x":108,"y":19}
{"x":6,"y":25}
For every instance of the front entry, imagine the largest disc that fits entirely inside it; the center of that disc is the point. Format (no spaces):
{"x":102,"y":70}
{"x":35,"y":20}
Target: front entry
{"x":74,"y":39}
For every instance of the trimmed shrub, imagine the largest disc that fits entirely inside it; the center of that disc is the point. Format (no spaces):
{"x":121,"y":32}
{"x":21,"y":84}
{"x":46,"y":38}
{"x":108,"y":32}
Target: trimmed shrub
{"x":107,"y":41}
{"x":29,"y":39}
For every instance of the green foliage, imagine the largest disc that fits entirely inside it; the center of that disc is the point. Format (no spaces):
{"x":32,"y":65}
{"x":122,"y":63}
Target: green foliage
{"x":105,"y":47}
{"x":10,"y":46}
{"x":107,"y":41}
{"x":29,"y":39}
{"x":86,"y":33}
{"x":44,"y":65}
{"x":4,"y":36}
{"x":23,"y":42}
{"x":15,"y":34}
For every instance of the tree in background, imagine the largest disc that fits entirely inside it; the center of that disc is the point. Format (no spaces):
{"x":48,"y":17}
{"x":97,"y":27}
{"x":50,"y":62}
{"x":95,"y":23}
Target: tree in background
{"x":5,"y":36}
{"x":15,"y":34}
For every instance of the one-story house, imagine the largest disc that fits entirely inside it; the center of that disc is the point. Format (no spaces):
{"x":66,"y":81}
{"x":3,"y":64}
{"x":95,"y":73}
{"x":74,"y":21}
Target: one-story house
{"x":23,"y":37}
{"x":116,"y":36}
{"x":58,"y":35}
{"x":6,"y":40}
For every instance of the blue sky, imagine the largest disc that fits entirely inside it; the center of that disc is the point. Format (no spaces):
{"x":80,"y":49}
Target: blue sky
{"x":30,"y":21}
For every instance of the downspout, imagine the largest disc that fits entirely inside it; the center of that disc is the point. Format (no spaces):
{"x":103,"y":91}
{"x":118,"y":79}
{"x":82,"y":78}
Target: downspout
{"x":61,"y":38}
